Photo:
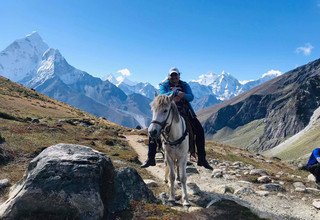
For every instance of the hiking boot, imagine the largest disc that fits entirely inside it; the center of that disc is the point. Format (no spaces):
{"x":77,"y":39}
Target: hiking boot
{"x":148,"y":163}
{"x":204,"y":163}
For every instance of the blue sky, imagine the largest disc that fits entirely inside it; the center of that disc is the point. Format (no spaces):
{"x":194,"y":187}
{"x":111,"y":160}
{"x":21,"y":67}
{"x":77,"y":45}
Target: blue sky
{"x":245,"y":38}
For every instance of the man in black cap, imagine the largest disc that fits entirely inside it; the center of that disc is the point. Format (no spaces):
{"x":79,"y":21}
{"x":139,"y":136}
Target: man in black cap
{"x":182,"y":96}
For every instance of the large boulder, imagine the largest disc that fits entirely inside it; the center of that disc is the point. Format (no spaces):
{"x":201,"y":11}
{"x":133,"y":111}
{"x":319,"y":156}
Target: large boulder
{"x":68,"y":181}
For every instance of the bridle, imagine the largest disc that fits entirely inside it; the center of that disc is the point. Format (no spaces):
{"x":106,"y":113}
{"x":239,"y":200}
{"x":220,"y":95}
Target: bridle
{"x":166,"y":129}
{"x":164,"y":123}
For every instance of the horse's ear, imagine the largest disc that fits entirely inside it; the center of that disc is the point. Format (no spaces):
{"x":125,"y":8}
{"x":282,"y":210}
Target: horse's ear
{"x":176,"y":114}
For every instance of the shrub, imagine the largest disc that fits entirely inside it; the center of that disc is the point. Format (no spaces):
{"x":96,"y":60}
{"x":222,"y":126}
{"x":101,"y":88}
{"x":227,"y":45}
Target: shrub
{"x":1,"y":139}
{"x":7,"y":116}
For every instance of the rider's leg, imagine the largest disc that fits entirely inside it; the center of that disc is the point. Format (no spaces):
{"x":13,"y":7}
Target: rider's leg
{"x":200,"y":142}
{"x":152,"y":150}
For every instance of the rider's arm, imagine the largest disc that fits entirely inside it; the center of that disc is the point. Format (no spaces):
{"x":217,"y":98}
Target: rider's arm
{"x":164,"y":89}
{"x":188,"y":95}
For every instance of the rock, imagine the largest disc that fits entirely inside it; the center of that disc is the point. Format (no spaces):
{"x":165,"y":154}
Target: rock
{"x":316,"y":203}
{"x":213,"y":201}
{"x":262,"y":193}
{"x":4,"y":183}
{"x":128,"y":186}
{"x":299,"y":187}
{"x":6,"y":154}
{"x":237,"y":163}
{"x":272,"y":187}
{"x":191,"y":170}
{"x":35,"y":120}
{"x":163,"y":197}
{"x":150,"y":183}
{"x":222,"y":189}
{"x":217,"y":173}
{"x":244,"y":191}
{"x":311,"y":178}
{"x":260,"y":172}
{"x":214,"y":161}
{"x":67,"y":181}
{"x":313,"y":191}
{"x":193,"y":189}
{"x":264,"y":179}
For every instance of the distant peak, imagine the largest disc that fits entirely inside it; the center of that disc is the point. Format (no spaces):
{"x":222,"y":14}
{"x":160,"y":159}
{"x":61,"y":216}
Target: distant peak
{"x":225,"y":73}
{"x":34,"y":36}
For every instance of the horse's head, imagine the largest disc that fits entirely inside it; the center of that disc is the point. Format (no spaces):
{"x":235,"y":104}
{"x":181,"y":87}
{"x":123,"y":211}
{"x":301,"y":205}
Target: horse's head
{"x":164,"y":111}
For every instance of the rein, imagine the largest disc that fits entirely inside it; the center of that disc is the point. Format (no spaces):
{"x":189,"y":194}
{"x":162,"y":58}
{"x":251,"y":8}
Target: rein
{"x":176,"y":142}
{"x":166,"y":129}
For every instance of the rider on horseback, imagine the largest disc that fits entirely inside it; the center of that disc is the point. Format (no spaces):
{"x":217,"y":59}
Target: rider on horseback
{"x":182,"y":97}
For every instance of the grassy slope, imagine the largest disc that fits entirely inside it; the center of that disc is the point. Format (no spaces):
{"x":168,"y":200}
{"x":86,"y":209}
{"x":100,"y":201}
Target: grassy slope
{"x":59,"y":123}
{"x":300,"y":148}
{"x":242,"y":136}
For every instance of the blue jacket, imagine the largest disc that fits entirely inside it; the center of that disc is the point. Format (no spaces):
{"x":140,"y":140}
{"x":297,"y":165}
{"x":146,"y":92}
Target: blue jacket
{"x":313,"y":157}
{"x":166,"y":89}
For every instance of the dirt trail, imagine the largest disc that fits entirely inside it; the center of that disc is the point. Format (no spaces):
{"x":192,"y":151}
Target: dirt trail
{"x":141,"y":149}
{"x":272,"y":206}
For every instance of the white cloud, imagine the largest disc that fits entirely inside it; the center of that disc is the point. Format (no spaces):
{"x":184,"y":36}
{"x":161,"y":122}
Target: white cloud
{"x":305,"y":50}
{"x":124,"y":72}
{"x":272,"y":72}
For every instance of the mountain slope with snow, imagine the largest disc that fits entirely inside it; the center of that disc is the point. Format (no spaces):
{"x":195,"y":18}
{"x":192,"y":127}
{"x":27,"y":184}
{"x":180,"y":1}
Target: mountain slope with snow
{"x":21,"y":58}
{"x":47,"y":71}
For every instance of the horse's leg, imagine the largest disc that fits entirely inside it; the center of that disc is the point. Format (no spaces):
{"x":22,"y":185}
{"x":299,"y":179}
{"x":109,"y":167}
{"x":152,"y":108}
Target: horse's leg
{"x":172,"y":177}
{"x":166,"y":171}
{"x":178,"y":171}
{"x":183,"y":178}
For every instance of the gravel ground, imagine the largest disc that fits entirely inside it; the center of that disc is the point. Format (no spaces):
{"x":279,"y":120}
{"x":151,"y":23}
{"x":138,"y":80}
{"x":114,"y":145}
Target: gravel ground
{"x":286,"y":205}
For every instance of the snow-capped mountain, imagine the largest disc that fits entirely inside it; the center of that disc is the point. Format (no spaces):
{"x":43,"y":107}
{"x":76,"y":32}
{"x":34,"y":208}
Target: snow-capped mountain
{"x":129,"y":87}
{"x":21,"y":58}
{"x":224,"y":86}
{"x":48,"y":72}
{"x":145,"y":89}
{"x":31,"y":62}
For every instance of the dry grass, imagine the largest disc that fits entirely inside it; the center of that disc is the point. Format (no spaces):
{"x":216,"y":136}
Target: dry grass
{"x":61,"y":123}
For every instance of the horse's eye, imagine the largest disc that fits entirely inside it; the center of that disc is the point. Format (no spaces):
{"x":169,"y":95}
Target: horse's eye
{"x":165,"y":111}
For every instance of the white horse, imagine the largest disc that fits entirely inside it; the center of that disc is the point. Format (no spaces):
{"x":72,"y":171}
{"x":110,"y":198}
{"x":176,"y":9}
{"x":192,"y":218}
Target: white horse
{"x":167,"y":123}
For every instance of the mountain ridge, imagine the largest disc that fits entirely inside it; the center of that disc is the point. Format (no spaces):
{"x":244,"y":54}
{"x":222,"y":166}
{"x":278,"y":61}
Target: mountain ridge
{"x":287,"y":101}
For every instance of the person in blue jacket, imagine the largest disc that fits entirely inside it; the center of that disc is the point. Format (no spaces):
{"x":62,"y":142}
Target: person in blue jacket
{"x":313,"y":165}
{"x":182,"y":97}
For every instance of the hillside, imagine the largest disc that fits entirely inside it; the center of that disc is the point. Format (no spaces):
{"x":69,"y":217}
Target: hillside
{"x":30,"y":121}
{"x":299,"y":146}
{"x":268,"y":114}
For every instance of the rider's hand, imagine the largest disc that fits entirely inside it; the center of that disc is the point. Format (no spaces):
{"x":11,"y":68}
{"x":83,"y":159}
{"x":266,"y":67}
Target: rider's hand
{"x":181,"y":94}
{"x":176,"y":99}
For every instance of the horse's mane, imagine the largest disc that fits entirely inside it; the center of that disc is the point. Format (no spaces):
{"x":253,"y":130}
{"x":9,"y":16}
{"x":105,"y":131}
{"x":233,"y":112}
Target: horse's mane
{"x":160,"y":102}
{"x":163,"y":101}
